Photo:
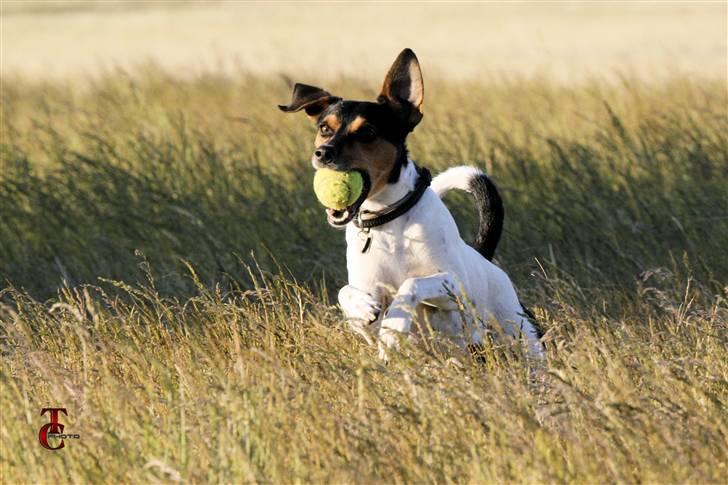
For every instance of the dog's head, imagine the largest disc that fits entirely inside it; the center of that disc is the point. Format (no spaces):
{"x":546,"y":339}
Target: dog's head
{"x":362,"y":135}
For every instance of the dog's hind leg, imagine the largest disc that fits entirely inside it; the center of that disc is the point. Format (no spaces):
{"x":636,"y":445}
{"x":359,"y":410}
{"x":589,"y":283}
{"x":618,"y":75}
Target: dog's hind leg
{"x":438,"y":290}
{"x":516,"y":322}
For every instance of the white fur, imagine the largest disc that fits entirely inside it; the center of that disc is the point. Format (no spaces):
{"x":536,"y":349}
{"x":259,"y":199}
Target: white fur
{"x":418,"y":262}
{"x":454,"y":178}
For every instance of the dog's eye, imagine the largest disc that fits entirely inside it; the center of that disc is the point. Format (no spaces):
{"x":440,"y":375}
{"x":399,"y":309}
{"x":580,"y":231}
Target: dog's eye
{"x":325,"y":131}
{"x":366,"y":134}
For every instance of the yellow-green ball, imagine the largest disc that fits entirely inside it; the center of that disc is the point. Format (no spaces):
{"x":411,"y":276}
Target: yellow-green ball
{"x":337,"y":190}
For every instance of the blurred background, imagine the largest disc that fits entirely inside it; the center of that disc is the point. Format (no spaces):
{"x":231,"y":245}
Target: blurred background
{"x":566,"y":41}
{"x":135,"y":130}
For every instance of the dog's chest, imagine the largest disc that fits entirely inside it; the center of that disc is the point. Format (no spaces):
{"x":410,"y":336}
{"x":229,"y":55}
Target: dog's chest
{"x":392,"y":255}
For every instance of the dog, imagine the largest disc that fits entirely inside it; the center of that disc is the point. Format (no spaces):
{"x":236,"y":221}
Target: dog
{"x":406,"y":261}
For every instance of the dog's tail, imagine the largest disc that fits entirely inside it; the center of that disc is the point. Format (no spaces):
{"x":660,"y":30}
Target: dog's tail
{"x":490,"y":205}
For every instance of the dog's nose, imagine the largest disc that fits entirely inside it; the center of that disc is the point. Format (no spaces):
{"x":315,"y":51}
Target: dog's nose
{"x":324,"y":154}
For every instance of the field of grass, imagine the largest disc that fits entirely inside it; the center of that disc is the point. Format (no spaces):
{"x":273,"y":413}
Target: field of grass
{"x":169,"y":278}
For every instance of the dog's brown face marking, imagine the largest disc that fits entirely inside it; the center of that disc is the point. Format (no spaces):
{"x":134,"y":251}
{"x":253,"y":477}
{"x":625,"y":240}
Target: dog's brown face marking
{"x":357,"y":123}
{"x":377,"y":159}
{"x":327,"y":126}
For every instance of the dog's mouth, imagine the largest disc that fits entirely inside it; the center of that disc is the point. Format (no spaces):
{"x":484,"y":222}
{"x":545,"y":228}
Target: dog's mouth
{"x":339,"y":218}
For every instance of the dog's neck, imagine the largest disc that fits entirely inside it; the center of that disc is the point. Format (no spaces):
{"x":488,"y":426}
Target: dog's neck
{"x":393,"y":192}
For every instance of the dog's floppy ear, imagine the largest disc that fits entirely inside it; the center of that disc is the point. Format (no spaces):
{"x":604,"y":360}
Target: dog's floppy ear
{"x":310,"y":98}
{"x":404,"y":88}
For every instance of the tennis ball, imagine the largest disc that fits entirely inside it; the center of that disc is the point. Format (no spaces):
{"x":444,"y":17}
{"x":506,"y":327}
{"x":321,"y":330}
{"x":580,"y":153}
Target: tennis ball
{"x":337,"y":190}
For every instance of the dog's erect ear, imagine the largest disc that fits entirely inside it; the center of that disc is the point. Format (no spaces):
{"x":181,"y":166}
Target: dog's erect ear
{"x":310,"y":98}
{"x":403,"y":86}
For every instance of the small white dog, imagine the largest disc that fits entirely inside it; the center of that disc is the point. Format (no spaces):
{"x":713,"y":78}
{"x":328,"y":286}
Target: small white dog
{"x":399,"y":233}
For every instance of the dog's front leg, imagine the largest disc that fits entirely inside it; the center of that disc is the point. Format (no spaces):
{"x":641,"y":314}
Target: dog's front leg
{"x":360,"y":309}
{"x":359,"y":304}
{"x":437,"y":290}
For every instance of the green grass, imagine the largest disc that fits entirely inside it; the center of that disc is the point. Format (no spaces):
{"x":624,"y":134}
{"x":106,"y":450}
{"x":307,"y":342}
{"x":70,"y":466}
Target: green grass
{"x":169,"y":278}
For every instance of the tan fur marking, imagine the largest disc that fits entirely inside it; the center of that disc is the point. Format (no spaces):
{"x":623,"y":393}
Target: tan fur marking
{"x":356,"y":124}
{"x":376,"y":159}
{"x":333,"y":122}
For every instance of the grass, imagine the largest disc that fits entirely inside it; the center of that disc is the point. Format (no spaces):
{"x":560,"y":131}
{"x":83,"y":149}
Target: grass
{"x":169,"y":279}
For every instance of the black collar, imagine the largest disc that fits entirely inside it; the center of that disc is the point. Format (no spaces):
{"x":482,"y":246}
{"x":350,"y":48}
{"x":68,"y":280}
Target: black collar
{"x":390,"y":213}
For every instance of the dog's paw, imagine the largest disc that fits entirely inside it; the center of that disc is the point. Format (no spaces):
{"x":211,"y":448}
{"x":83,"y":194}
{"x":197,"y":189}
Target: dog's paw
{"x":383,"y":352}
{"x":389,"y":338}
{"x":358,"y":304}
{"x":388,"y":341}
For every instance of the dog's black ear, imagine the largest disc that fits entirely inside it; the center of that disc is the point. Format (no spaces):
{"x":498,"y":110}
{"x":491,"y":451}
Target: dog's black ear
{"x":310,"y":98}
{"x":403,"y":87}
